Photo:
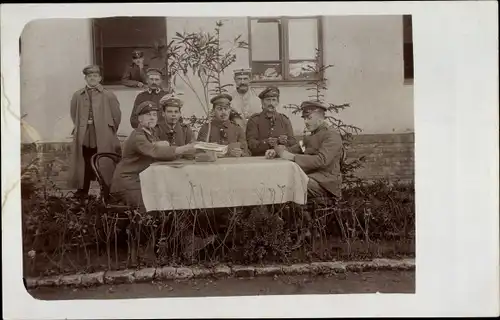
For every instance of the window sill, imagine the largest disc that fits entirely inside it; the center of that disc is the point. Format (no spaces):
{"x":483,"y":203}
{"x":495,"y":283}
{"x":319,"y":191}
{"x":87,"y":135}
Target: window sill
{"x":121,"y":87}
{"x":282,"y":83}
{"x":408,"y":82}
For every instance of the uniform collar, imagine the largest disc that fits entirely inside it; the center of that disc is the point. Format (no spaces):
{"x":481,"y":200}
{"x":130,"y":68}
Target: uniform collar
{"x":221,"y":124}
{"x":99,"y":88}
{"x":322,"y":127}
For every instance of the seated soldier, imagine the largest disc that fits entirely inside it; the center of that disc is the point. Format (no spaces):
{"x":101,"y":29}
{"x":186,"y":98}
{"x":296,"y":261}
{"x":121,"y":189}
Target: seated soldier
{"x":222,"y":131}
{"x":173,"y":129}
{"x":319,"y":155}
{"x":141,"y":149}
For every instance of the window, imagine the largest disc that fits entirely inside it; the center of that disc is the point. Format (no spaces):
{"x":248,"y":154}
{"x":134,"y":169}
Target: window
{"x":407,"y":47}
{"x":280,"y":47}
{"x":115,"y":39}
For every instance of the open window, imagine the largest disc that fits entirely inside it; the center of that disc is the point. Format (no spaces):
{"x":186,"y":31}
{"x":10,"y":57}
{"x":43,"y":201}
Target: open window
{"x":408,"y":48}
{"x":115,"y":39}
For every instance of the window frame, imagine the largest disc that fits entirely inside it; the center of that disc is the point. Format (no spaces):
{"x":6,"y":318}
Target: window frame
{"x":97,"y":57}
{"x":408,"y":75}
{"x":284,"y":49}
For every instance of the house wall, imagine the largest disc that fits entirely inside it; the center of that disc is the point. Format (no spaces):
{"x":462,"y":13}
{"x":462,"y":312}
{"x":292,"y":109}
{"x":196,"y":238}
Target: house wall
{"x":366,"y":51}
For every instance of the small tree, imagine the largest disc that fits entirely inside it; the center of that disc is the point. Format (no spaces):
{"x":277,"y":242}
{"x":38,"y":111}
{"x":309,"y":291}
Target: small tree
{"x":347,"y":131}
{"x":200,"y":57}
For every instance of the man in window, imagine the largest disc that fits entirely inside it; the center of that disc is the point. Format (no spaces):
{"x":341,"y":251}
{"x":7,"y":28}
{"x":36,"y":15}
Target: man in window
{"x":96,"y":117}
{"x":135,"y":75}
{"x":173,"y":129}
{"x":222,"y":131}
{"x":245,"y":100}
{"x":318,"y":155}
{"x":153,"y":93}
{"x":269,"y":128}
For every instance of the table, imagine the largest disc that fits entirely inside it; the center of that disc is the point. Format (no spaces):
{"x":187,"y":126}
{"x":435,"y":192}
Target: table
{"x":228,"y":182}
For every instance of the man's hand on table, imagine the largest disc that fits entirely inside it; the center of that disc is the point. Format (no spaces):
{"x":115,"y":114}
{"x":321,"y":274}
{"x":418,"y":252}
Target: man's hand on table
{"x":283,"y":139}
{"x":270,"y":154}
{"x":283,"y":153}
{"x":272,"y":142}
{"x":235,"y":152}
{"x":185,"y":149}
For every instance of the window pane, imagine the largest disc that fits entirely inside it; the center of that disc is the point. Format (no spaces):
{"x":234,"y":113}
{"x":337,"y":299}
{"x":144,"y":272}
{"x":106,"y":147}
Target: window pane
{"x":302,"y":38}
{"x":266,"y":71}
{"x":138,"y":31}
{"x":302,"y":70}
{"x":265,"y":40}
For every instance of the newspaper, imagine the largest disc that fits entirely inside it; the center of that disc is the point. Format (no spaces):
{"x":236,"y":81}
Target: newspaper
{"x":207,"y":146}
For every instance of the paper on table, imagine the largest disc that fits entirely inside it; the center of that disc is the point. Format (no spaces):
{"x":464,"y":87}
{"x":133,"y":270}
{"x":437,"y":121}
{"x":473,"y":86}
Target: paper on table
{"x":211,"y":147}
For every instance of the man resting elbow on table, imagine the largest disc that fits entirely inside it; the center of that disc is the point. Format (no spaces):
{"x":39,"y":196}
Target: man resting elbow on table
{"x":140,"y":150}
{"x":318,"y":155}
{"x":223,"y":130}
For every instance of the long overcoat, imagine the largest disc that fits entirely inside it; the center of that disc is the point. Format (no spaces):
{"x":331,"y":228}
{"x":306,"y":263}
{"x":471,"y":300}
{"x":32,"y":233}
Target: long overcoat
{"x":107,"y":118}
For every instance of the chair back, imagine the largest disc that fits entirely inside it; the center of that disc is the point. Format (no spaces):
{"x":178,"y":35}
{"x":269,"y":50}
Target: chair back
{"x":94,"y":161}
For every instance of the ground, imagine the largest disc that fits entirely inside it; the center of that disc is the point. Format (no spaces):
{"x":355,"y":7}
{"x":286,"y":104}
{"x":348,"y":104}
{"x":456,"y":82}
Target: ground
{"x":365,"y":282}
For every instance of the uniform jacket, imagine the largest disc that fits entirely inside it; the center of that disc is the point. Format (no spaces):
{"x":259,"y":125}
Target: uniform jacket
{"x":133,"y":75}
{"x":259,"y":128}
{"x":178,"y":135}
{"x":139,"y":151}
{"x":107,"y":118}
{"x":321,"y":158}
{"x":246,"y":104}
{"x":147,"y":95}
{"x":224,"y":133}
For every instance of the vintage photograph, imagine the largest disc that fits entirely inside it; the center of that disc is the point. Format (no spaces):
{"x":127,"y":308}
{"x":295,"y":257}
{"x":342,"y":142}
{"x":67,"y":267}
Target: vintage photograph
{"x":217,"y":156}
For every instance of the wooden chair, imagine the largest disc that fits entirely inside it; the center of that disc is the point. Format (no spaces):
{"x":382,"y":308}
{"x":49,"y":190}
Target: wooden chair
{"x":104,"y":187}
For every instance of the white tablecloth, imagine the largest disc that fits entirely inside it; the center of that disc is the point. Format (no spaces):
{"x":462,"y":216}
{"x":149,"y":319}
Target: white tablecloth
{"x":228,"y":182}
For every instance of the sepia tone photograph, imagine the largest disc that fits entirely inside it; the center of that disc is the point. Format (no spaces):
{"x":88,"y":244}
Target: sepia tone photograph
{"x":217,"y":156}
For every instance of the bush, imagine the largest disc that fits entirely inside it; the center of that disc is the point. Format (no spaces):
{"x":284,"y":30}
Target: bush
{"x":62,"y":234}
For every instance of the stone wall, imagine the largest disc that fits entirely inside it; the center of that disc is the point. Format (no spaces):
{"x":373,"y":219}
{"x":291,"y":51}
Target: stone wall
{"x":389,"y":156}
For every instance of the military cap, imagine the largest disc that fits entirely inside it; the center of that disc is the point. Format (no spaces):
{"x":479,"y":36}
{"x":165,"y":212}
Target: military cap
{"x":269,"y":92}
{"x":171,"y":102}
{"x":153,"y":71}
{"x":244,"y":71}
{"x":137,"y":54}
{"x":310,"y":106}
{"x":145,"y":107}
{"x":91,"y":69}
{"x":221,"y":99}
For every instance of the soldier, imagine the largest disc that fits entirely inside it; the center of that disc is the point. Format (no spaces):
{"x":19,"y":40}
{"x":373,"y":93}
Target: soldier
{"x":96,"y":117}
{"x":245,"y":100}
{"x":222,"y":130}
{"x":269,"y":127}
{"x":154,"y":93}
{"x":140,"y":149}
{"x":134,"y":74}
{"x":173,"y":129}
{"x":319,"y":155}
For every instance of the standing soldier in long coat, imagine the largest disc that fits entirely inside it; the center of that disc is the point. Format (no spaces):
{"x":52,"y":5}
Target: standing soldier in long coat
{"x":319,"y":155}
{"x":153,"y":92}
{"x":96,"y":117}
{"x":269,"y":128}
{"x":173,"y":129}
{"x":222,"y":130}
